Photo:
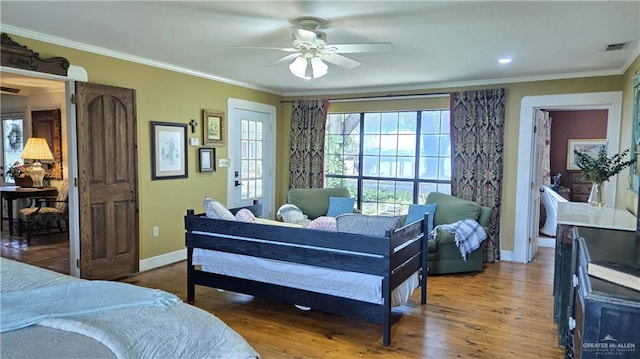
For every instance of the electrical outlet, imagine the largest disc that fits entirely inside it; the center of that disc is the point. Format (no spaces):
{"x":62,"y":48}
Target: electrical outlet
{"x":156,"y":231}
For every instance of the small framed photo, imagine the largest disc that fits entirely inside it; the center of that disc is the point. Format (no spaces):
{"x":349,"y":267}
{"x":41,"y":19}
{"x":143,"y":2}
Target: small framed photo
{"x":213,"y":128}
{"x":207,"y":159}
{"x":589,"y":146}
{"x":168,"y":150}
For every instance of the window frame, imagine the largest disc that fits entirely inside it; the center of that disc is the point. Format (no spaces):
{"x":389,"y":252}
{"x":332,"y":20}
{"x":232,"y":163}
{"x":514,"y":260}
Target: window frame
{"x":441,"y":185}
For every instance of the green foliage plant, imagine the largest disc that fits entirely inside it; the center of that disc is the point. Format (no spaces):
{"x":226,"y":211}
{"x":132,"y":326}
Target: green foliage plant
{"x":601,"y":167}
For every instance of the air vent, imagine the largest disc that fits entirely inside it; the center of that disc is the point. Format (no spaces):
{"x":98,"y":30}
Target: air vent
{"x":615,"y":47}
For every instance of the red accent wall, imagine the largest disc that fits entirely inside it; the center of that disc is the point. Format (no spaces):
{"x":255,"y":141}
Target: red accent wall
{"x":565,"y":125}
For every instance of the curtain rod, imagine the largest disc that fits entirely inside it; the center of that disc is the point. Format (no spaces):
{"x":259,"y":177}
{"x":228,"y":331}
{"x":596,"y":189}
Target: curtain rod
{"x":385,"y":97}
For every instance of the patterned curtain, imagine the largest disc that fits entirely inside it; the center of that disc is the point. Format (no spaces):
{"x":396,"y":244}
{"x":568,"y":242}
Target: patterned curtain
{"x":306,"y":146}
{"x":477,"y":136}
{"x":545,"y":134}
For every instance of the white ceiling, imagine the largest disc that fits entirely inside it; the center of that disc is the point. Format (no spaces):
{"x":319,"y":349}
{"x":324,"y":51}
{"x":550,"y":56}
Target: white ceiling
{"x":436,"y":43}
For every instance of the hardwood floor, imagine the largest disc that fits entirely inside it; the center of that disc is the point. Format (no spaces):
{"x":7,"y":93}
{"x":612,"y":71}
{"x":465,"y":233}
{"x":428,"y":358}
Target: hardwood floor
{"x":50,"y":250}
{"x":504,"y":312}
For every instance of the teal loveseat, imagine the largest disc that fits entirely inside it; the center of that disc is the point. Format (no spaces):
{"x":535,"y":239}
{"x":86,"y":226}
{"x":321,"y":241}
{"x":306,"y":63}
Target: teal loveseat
{"x":444,"y":256}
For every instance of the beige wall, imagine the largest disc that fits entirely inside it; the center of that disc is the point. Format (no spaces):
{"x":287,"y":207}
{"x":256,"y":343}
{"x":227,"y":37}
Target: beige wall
{"x":515,"y":92}
{"x":163,"y":95}
{"x":168,"y":96}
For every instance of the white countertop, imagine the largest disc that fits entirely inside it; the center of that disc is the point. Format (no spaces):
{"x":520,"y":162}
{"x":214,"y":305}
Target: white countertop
{"x":583,"y":215}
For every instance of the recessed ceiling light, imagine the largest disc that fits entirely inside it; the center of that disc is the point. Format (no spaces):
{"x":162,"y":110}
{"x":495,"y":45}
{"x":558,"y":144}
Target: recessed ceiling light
{"x":504,"y":60}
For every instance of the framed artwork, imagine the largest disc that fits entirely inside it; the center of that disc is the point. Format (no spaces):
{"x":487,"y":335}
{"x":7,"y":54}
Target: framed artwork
{"x":168,"y":150}
{"x":588,"y":146}
{"x":47,"y":124}
{"x":207,"y":159}
{"x":213,"y":128}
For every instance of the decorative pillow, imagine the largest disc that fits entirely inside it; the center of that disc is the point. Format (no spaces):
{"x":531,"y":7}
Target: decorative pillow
{"x":245,"y":215}
{"x":417,"y":211}
{"x":291,"y":214}
{"x":340,"y":205}
{"x":324,"y":223}
{"x":368,"y":225}
{"x":215,"y":209}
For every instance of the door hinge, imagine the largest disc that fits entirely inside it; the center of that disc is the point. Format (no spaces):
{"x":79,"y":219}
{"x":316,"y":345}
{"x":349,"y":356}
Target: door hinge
{"x":73,"y":98}
{"x":77,"y":263}
{"x":75,"y":181}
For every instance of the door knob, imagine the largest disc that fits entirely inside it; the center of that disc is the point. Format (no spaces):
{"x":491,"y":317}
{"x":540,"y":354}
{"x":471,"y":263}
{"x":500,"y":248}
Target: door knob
{"x":237,"y":183}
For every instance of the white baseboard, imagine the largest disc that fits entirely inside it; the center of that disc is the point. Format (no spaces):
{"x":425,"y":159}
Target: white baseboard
{"x":546,"y":242}
{"x":163,"y":260}
{"x":506,"y":256}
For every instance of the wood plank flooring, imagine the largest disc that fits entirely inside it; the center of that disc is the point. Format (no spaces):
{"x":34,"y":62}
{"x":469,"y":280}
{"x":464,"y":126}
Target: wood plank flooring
{"x":504,"y":312}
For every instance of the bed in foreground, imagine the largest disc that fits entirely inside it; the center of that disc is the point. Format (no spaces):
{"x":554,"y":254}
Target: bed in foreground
{"x":162,"y":328}
{"x":384,"y":269}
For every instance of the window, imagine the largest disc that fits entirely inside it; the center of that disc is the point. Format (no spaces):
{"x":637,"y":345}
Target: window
{"x":388,"y":159}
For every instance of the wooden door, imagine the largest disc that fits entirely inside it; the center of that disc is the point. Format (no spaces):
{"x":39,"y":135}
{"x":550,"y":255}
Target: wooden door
{"x":107,"y":181}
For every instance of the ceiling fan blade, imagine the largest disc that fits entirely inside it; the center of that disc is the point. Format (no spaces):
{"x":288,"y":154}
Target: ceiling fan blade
{"x":341,"y":60}
{"x":305,"y":37}
{"x":287,"y":58}
{"x":355,"y":48}
{"x":287,"y":49}
{"x":9,"y":89}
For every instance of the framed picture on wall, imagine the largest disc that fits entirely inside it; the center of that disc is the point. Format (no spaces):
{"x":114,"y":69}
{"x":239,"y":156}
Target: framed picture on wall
{"x":48,"y":125}
{"x":207,"y":159}
{"x":589,"y":146}
{"x":168,"y":150}
{"x":213,"y":128}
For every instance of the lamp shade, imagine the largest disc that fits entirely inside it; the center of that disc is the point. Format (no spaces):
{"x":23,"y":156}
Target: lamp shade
{"x":37,"y":149}
{"x":308,"y":68}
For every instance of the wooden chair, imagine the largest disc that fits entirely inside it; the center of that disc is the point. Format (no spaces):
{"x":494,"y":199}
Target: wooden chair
{"x":47,"y":210}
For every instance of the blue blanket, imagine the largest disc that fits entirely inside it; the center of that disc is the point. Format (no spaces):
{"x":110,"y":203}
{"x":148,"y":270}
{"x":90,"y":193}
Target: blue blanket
{"x":23,"y":308}
{"x":468,"y":235}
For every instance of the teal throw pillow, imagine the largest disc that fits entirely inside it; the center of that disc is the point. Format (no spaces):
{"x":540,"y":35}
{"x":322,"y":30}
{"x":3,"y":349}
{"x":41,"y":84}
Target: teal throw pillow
{"x":340,"y":205}
{"x":417,"y":211}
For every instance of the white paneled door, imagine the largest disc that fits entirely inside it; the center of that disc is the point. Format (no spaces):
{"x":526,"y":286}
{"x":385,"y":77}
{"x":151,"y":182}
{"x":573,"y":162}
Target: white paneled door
{"x":251,"y":155}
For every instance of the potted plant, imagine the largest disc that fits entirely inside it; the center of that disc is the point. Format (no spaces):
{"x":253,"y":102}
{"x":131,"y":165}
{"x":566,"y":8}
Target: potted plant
{"x":20,"y":174}
{"x":600,"y":168}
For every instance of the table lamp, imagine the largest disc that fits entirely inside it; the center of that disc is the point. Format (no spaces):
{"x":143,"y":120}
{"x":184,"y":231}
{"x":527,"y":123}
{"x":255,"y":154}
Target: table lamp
{"x":36,"y":149}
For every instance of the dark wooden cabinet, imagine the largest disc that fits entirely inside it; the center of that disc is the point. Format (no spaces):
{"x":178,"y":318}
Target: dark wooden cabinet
{"x":602,"y":318}
{"x":580,"y":187}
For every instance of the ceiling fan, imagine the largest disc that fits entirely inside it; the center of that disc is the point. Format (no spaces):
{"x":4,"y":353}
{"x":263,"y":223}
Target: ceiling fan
{"x":310,"y":50}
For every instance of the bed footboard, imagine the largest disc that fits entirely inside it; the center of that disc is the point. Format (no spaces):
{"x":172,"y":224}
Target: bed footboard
{"x":394,"y":258}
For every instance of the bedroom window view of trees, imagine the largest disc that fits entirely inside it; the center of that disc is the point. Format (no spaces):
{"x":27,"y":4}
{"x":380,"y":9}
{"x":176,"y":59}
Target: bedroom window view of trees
{"x":388,"y":160}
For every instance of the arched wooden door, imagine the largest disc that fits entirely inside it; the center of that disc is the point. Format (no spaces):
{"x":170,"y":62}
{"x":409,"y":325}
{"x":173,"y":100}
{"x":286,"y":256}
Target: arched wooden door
{"x":107,"y":181}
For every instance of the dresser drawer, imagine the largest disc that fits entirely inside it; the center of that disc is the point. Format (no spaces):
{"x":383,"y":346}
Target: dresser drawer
{"x":581,"y":188}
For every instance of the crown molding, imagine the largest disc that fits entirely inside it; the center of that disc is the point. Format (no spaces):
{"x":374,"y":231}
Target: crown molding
{"x":123,"y":56}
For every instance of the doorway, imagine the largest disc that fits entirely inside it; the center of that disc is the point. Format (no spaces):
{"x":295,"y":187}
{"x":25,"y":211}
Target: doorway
{"x":610,"y":101}
{"x":251,"y":155}
{"x":30,"y":82}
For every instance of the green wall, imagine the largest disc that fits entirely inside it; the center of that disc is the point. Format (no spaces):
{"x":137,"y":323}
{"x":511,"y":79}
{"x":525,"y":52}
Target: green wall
{"x":164,"y":95}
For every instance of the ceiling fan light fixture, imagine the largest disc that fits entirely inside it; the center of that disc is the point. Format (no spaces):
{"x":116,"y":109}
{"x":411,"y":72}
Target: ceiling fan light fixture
{"x":308,"y":68}
{"x":298,"y":67}
{"x":319,"y":67}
